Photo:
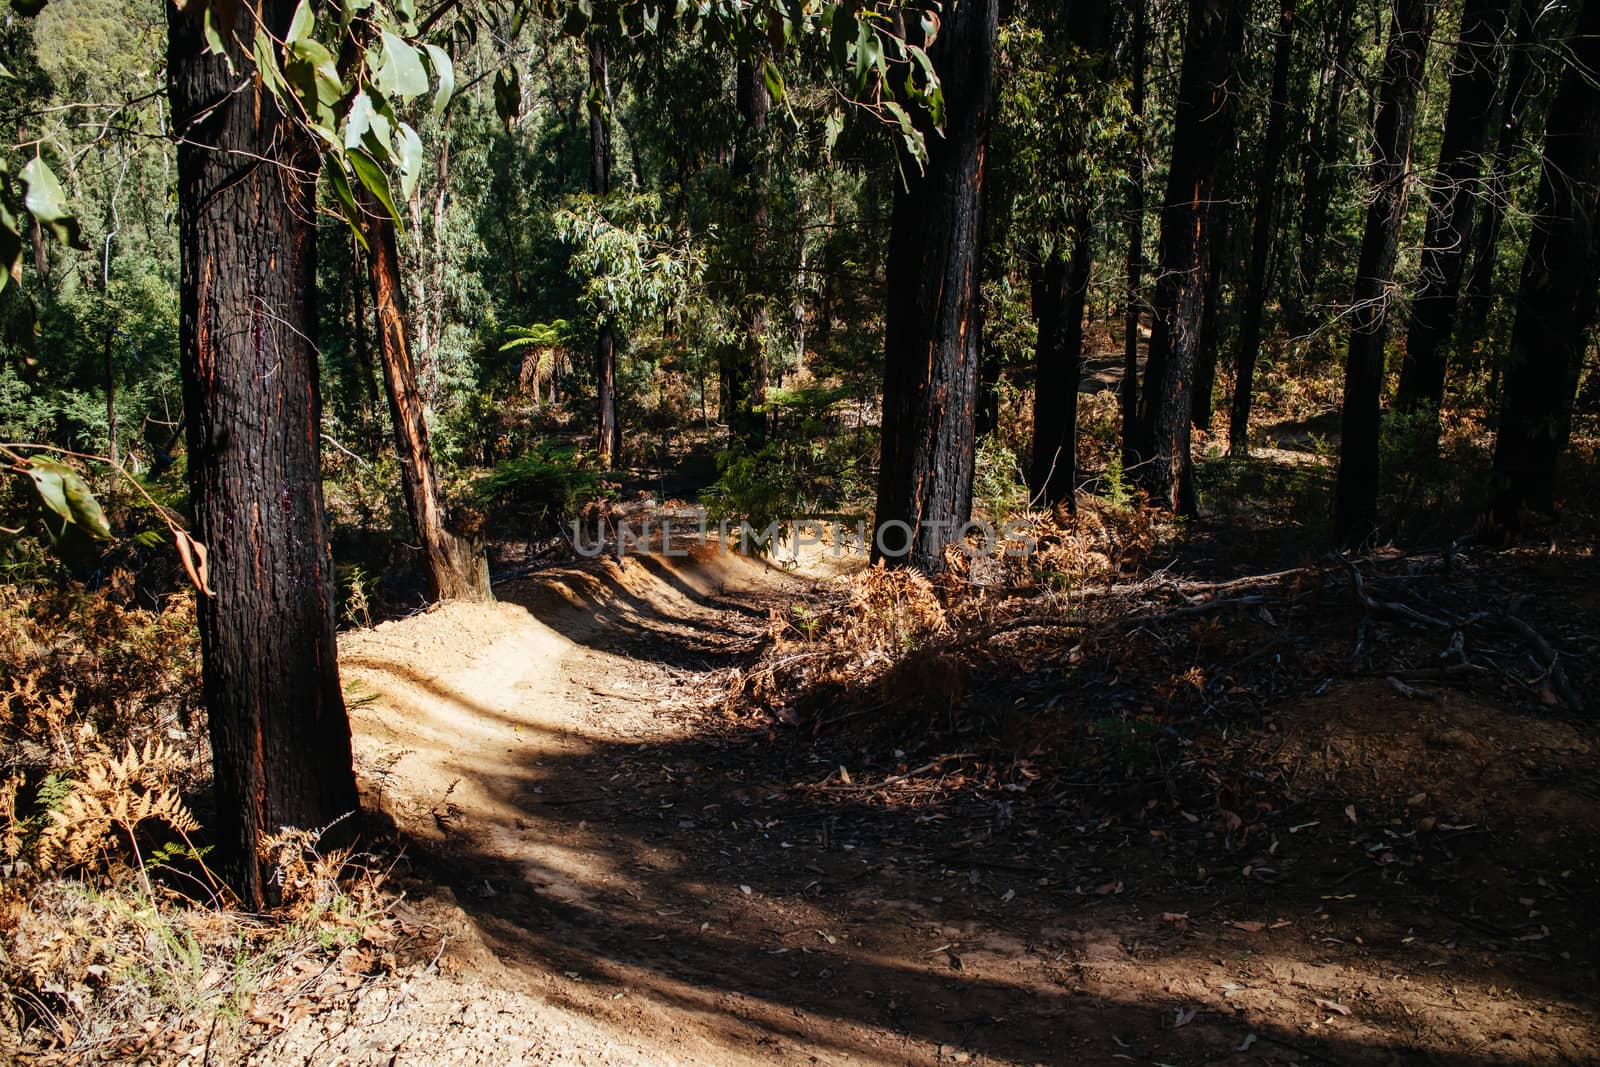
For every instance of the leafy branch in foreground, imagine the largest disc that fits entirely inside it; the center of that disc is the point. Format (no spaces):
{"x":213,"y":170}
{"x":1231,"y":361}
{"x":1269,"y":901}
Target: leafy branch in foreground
{"x":66,"y":495}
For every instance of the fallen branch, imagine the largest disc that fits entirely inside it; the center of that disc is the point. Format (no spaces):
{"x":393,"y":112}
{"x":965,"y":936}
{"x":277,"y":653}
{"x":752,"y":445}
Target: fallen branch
{"x":1551,"y":662}
{"x":1389,"y":607}
{"x":1203,"y":608}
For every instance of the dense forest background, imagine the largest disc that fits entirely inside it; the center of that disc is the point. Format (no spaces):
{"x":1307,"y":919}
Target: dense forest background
{"x":316,"y":317}
{"x":738,"y":224}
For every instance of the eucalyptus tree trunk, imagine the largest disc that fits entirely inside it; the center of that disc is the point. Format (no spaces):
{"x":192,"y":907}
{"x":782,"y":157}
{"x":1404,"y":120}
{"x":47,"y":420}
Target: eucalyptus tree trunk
{"x":1058,"y":370}
{"x":1321,"y":167}
{"x":1212,"y":318}
{"x":744,"y":370}
{"x":1255,"y":293}
{"x":1516,"y":100}
{"x":1058,"y":353}
{"x":931,"y":335}
{"x":456,"y":569}
{"x":280,"y":738}
{"x":1452,"y":199}
{"x":1556,"y":299}
{"x":608,"y":437}
{"x":1356,"y":492}
{"x":1128,"y":391}
{"x":1202,"y":130}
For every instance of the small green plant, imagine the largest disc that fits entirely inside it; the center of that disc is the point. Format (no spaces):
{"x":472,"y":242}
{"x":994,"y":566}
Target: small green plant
{"x":355,"y":586}
{"x":998,"y":487}
{"x":1113,"y":484}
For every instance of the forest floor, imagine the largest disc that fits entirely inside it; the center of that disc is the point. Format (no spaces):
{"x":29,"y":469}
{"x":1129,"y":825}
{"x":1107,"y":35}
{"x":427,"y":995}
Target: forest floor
{"x":610,"y":865}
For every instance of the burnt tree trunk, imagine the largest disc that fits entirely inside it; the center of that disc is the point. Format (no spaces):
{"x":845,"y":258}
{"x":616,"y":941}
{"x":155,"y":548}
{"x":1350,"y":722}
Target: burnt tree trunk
{"x":1058,"y":352}
{"x":748,"y":377}
{"x":1516,"y":98}
{"x":455,"y":568}
{"x":1356,"y":493}
{"x":608,"y":436}
{"x":1218,"y":261}
{"x":1255,"y":293}
{"x":1202,"y":131}
{"x":1128,"y":391}
{"x":1556,"y":299}
{"x":1321,"y":168}
{"x":280,"y":738}
{"x":1058,"y":369}
{"x":1451,"y":201}
{"x":931,"y":335}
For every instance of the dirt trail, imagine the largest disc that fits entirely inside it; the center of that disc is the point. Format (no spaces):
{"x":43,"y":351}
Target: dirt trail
{"x":622,"y":881}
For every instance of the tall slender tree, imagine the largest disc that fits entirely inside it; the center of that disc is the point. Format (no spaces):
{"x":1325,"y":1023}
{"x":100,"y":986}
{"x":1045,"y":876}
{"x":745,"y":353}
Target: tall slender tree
{"x":1452,"y":197}
{"x":1058,"y":353}
{"x":1128,"y":391}
{"x":1556,"y":299}
{"x":1321,"y":169}
{"x":280,"y":738}
{"x":744,"y":363}
{"x":609,"y":431}
{"x":1266,"y":194}
{"x":1202,"y":129}
{"x":931,"y":335}
{"x":1516,"y":100}
{"x":456,"y":569}
{"x":1356,"y":492}
{"x":1213,"y":314}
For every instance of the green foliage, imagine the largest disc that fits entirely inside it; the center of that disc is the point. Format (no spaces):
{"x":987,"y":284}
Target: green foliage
{"x":538,"y":490}
{"x":629,"y":260}
{"x":999,"y":489}
{"x":1113,"y":484}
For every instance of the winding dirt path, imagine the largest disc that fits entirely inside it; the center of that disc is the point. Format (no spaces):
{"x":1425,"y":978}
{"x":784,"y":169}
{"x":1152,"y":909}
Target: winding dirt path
{"x":623,"y":878}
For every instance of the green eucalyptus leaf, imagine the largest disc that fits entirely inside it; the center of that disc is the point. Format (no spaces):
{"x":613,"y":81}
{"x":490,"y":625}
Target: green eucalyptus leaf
{"x":65,"y":492}
{"x":400,"y":72}
{"x":410,"y":159}
{"x":47,"y":202}
{"x":371,"y":175}
{"x":347,"y":202}
{"x":445,"y":71}
{"x":774,"y":79}
{"x":358,"y":121}
{"x":508,"y":95}
{"x":267,"y":63}
{"x":301,"y":25}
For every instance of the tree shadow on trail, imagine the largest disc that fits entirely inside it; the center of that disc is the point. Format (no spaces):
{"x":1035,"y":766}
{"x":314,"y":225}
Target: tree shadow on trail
{"x":797,"y":921}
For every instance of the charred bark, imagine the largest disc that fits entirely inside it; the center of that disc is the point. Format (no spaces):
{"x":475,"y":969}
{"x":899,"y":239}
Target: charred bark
{"x":1212,"y":319}
{"x":1058,"y":370}
{"x":1356,"y":493}
{"x":247,"y":203}
{"x":1321,"y":167}
{"x":1255,"y":294}
{"x":1058,"y":352}
{"x":1202,"y":130}
{"x":1452,"y":199}
{"x":608,"y":435}
{"x":931,"y":338}
{"x":1128,"y":391}
{"x":750,"y":172}
{"x":1516,"y":99}
{"x":1556,"y":298}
